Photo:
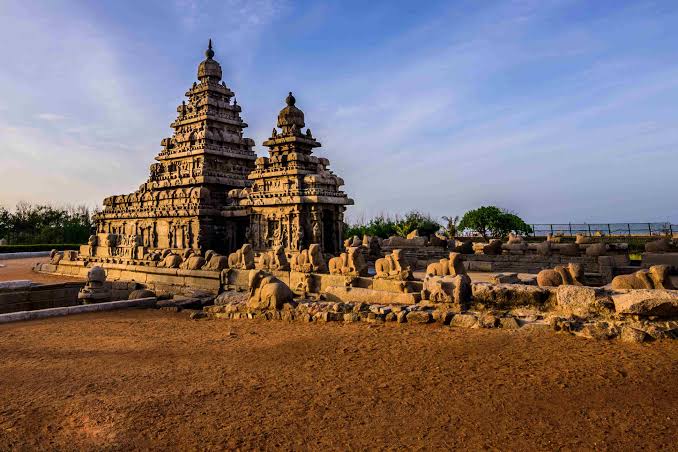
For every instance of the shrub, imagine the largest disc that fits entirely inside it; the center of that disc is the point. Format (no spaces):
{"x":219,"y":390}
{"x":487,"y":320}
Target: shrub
{"x":493,"y":221}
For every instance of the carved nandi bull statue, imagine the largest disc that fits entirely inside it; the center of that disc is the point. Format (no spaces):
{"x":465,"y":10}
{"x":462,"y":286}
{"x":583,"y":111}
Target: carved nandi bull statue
{"x":350,"y":263}
{"x":656,"y":277}
{"x":242,"y":259}
{"x":267,"y":291}
{"x":274,"y":260}
{"x":392,"y":267}
{"x":572,"y":275}
{"x":445,"y":267}
{"x":309,"y":261}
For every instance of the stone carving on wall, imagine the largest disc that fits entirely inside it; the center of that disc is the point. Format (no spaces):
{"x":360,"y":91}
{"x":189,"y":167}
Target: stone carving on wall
{"x":179,"y":206}
{"x":293,"y":194}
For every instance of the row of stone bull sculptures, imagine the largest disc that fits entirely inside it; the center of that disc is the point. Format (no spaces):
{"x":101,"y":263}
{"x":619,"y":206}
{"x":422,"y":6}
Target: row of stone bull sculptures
{"x":655,"y":277}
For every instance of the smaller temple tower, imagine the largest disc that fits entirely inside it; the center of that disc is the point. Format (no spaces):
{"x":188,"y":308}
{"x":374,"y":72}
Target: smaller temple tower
{"x":294,"y":199}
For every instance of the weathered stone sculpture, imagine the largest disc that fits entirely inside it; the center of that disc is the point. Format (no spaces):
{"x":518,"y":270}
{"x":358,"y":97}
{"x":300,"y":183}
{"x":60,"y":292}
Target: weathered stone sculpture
{"x":193,"y":262}
{"x":572,"y":275}
{"x":309,"y":261}
{"x":515,"y":239}
{"x":658,"y":246}
{"x":350,"y":263}
{"x":447,"y":282}
{"x":581,"y":239}
{"x":274,"y":260}
{"x":544,"y":248}
{"x":446,"y":267}
{"x":214,"y":261}
{"x":493,"y":248}
{"x":372,"y":245}
{"x":242,"y":259}
{"x":352,"y":242}
{"x":95,"y":290}
{"x":569,"y":249}
{"x":170,"y":260}
{"x":392,"y":267}
{"x":596,"y":249}
{"x":55,"y":257}
{"x":267,"y":292}
{"x":656,"y":277}
{"x":463,"y":247}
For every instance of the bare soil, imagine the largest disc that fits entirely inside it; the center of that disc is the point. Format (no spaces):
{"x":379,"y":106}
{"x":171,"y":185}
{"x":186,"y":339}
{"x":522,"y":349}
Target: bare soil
{"x":144,"y":379}
{"x":11,"y":269}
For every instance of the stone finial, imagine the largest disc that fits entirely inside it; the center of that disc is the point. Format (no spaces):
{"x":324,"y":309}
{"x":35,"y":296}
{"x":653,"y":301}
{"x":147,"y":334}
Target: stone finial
{"x":290,"y":100}
{"x":209,"y":53}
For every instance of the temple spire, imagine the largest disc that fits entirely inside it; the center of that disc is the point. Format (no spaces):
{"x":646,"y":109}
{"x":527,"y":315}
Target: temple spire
{"x":209,"y":53}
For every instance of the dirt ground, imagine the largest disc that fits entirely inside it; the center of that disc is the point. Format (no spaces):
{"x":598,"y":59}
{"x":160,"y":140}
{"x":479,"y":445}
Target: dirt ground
{"x":150,"y":379}
{"x":11,"y":269}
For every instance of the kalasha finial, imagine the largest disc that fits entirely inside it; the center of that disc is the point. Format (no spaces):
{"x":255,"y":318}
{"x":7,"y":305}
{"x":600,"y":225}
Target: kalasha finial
{"x":209,"y":53}
{"x":290,"y":99}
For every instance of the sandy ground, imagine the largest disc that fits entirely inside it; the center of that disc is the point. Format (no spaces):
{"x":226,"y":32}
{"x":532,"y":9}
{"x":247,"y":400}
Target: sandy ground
{"x":149,"y":379}
{"x":11,"y":269}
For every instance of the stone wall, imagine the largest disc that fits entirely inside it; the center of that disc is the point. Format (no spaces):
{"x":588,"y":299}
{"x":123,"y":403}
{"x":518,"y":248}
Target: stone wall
{"x":160,"y":280}
{"x":44,"y":296}
{"x":40,"y":297}
{"x":600,"y":270}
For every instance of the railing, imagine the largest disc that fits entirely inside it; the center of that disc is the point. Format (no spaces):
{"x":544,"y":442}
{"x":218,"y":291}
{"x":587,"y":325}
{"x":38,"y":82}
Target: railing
{"x":606,"y":229}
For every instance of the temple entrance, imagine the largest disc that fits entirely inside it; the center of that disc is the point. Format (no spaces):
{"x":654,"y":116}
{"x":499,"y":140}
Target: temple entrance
{"x":329,"y":232}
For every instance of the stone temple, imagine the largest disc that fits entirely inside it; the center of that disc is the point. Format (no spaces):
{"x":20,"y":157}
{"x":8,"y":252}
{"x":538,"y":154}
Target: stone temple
{"x":208,"y":189}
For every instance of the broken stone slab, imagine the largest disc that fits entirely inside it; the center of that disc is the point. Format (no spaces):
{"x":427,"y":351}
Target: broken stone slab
{"x":464,"y":321}
{"x":630,"y":334}
{"x":647,"y":302}
{"x":581,"y":301}
{"x":369,"y":296}
{"x":81,"y":309}
{"x":506,"y":296}
{"x":419,"y":317}
{"x":17,"y":284}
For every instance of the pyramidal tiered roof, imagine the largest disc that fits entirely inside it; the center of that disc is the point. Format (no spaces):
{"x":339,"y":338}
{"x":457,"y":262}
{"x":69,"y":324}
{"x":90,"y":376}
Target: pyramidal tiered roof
{"x":292,"y":174}
{"x":205,"y":158}
{"x":207,"y":150}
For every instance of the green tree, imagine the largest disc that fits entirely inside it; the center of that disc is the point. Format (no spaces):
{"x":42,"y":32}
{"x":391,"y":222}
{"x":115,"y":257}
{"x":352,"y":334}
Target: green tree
{"x":451,"y":226}
{"x":493,"y":221}
{"x":416,"y":221}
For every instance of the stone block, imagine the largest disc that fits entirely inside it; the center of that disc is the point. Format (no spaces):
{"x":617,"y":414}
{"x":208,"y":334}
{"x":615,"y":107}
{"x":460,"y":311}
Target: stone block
{"x":647,"y":302}
{"x":419,"y":317}
{"x":507,"y":296}
{"x":578,"y":300}
{"x":369,"y":296}
{"x":464,"y":321}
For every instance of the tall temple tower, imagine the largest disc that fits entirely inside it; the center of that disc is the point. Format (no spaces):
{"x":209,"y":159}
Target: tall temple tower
{"x":180,"y":205}
{"x":294,"y":199}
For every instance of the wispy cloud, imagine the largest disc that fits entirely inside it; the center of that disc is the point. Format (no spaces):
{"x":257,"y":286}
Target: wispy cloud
{"x":50,"y":116}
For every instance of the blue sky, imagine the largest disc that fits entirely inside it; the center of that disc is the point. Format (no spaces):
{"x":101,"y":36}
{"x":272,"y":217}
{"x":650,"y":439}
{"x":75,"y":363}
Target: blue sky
{"x":558,"y":110}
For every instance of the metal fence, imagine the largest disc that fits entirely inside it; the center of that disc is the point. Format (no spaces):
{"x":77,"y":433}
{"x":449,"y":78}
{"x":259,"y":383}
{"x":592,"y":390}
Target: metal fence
{"x":618,"y":229}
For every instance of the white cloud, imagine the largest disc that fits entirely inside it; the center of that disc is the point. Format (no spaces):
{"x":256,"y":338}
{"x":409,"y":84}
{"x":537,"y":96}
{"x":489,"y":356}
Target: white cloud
{"x":50,"y":116}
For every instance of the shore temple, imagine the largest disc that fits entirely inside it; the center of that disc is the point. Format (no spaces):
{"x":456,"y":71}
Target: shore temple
{"x":208,"y":190}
